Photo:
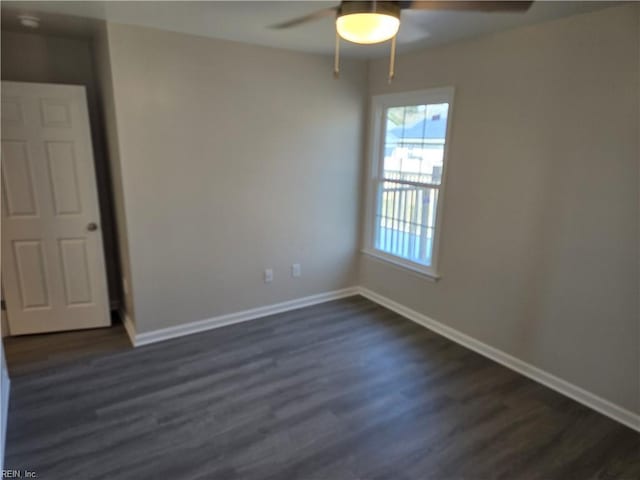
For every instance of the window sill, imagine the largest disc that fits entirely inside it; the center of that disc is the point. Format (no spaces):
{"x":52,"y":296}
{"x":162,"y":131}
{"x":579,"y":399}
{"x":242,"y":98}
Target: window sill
{"x":424,"y":272}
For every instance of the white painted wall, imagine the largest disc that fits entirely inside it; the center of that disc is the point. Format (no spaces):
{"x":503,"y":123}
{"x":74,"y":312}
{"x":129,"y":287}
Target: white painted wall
{"x":539,"y":252}
{"x":233,"y":158}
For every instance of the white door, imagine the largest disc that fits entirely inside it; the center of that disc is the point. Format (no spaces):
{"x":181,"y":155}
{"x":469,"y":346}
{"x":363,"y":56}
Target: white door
{"x":53,"y":263}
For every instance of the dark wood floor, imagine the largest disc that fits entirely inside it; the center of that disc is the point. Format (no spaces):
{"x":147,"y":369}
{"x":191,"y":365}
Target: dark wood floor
{"x":32,"y":353}
{"x":343,"y":390}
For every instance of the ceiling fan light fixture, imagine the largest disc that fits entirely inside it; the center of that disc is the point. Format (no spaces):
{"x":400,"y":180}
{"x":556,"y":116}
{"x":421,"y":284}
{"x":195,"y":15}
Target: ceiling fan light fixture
{"x":368,"y":22}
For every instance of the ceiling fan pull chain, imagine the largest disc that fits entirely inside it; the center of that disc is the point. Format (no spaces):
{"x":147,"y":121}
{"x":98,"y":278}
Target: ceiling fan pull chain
{"x":392,"y":59}
{"x":336,"y":61}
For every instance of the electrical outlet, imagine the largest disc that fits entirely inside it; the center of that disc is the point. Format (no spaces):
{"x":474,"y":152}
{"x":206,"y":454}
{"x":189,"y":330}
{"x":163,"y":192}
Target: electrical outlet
{"x":296,"y":270}
{"x":268,"y":275}
{"x":125,"y":285}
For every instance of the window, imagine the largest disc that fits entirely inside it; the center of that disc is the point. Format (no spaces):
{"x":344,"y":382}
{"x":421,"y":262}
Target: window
{"x":407,"y":167}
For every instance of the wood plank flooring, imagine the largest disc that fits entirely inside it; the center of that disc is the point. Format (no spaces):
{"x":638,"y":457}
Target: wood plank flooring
{"x":30,"y":353}
{"x":342,"y":390}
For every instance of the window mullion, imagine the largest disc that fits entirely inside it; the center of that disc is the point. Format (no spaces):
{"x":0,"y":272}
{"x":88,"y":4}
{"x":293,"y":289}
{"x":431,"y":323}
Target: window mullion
{"x":435,"y":186}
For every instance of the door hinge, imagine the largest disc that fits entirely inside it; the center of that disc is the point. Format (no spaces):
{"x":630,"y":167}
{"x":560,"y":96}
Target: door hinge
{"x":3,"y":306}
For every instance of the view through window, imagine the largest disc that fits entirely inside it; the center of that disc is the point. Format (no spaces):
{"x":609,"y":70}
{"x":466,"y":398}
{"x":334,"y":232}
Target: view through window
{"x":410,"y":179}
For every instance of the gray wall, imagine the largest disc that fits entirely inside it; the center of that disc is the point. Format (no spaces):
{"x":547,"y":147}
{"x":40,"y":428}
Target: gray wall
{"x":104,"y":80}
{"x":234,"y":158}
{"x":229,"y":158}
{"x":539,"y":252}
{"x":50,"y":59}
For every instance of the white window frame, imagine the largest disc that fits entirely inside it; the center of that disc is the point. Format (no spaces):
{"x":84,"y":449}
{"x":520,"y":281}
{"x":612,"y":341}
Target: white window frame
{"x":375,"y":163}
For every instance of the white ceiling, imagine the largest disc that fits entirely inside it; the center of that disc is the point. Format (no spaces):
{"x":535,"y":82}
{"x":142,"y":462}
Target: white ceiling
{"x":249,"y":22}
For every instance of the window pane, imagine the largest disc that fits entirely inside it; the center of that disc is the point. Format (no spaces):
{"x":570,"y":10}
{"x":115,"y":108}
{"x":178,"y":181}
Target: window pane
{"x":414,"y":142}
{"x":405,"y":221}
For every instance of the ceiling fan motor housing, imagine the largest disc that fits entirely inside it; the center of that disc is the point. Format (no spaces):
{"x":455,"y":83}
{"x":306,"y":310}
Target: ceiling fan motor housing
{"x":384,"y":8}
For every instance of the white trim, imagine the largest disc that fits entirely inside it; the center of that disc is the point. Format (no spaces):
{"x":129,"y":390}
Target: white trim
{"x":426,"y":96}
{"x":139,"y":339}
{"x":420,"y":270}
{"x":129,"y":327}
{"x":599,"y":404}
{"x":375,"y":160}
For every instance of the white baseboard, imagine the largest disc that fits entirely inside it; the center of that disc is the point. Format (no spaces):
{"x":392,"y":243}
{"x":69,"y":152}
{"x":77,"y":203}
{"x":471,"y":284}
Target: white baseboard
{"x":139,"y":339}
{"x":129,"y":327}
{"x":578,"y":394}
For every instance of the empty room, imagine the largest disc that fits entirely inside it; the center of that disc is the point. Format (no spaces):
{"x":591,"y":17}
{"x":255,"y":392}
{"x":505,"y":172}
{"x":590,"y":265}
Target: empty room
{"x":320,"y":240}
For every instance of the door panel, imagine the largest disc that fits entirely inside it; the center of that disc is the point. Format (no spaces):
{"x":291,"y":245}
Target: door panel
{"x":63,"y":176}
{"x":55,"y":112}
{"x":17,"y":179}
{"x":75,"y":271}
{"x":54,"y":274}
{"x":12,"y":111}
{"x":32,"y":274}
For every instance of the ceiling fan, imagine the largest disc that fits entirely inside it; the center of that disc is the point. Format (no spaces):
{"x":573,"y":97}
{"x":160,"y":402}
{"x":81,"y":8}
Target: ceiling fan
{"x":369,"y":22}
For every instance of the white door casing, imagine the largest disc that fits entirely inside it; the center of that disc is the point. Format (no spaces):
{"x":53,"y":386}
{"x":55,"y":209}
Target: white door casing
{"x":53,"y":270}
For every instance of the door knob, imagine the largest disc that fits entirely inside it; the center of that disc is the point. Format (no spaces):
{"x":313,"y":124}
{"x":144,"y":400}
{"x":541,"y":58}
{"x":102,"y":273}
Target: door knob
{"x":92,"y":227}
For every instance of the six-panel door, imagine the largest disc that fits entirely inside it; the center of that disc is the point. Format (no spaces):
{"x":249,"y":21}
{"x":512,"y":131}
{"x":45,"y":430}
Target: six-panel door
{"x":53,"y":270}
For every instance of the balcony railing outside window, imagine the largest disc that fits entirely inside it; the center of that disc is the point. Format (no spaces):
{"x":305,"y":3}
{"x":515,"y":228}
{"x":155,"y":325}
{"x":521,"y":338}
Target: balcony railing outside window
{"x":410,"y":179}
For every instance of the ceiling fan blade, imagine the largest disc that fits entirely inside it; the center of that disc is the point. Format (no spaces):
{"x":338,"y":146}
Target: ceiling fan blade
{"x":327,"y":12}
{"x":412,"y":29}
{"x":471,"y":6}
